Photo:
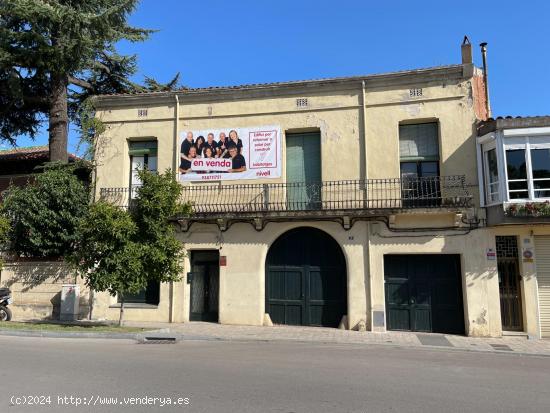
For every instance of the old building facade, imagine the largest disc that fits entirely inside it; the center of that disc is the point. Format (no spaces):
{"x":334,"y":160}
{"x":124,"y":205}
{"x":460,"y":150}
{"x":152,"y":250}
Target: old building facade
{"x":364,"y":209}
{"x":514,"y":160}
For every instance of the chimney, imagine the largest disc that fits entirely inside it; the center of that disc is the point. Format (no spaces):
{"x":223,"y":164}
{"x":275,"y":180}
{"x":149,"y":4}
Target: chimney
{"x":485,"y":77}
{"x":466,"y":50}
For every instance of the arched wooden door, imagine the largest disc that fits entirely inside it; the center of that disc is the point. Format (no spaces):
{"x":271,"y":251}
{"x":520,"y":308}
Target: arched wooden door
{"x":306,"y":279}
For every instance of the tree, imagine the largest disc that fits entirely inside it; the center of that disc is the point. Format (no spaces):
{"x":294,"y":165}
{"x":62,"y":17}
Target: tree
{"x":4,"y":234}
{"x":55,"y":54}
{"x":120,"y":251}
{"x":44,"y":214}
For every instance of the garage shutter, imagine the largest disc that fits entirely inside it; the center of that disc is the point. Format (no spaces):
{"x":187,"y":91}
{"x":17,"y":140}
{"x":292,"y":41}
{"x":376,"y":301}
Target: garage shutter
{"x":424,"y":293}
{"x":542,"y":244}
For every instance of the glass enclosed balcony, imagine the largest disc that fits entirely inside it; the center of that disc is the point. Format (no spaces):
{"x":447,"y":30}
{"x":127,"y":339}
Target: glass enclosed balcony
{"x":514,"y":174}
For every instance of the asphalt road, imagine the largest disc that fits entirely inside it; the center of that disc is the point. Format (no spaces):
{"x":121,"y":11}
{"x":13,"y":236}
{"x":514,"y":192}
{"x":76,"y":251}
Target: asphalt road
{"x":264,"y":377}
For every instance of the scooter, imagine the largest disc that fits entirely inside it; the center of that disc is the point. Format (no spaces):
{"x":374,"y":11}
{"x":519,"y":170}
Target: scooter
{"x":5,"y":300}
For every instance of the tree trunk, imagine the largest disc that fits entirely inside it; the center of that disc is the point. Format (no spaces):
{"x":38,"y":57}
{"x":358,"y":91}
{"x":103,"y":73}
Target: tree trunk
{"x":121,"y":318}
{"x":59,"y":119}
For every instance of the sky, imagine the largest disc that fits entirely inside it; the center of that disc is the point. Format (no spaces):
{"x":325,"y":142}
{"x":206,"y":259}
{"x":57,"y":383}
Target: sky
{"x":221,"y":42}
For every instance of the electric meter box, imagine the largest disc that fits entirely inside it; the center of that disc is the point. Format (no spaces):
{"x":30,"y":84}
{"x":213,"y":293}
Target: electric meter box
{"x":70,"y":302}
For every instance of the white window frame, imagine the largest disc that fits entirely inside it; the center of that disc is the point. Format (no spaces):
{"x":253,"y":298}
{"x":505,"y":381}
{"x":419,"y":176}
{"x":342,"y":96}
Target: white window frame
{"x":524,"y":142}
{"x":486,"y":176}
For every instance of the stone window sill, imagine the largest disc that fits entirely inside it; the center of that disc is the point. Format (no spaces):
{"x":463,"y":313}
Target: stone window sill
{"x":142,"y":306}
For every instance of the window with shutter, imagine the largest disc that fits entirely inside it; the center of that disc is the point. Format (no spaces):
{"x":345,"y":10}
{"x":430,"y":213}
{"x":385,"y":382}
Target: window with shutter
{"x":419,"y":150}
{"x":303,"y":170}
{"x":419,"y":160}
{"x":143,"y":154}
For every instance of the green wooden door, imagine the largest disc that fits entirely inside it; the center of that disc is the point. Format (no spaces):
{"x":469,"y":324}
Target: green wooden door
{"x":306,"y":279}
{"x":424,"y":293}
{"x":303,"y":170}
{"x":286,"y":295}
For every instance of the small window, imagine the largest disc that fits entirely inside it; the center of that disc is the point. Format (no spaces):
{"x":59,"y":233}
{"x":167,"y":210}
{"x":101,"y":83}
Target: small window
{"x":540,"y":164}
{"x":150,"y":295}
{"x":517,"y":174}
{"x":491,"y":168}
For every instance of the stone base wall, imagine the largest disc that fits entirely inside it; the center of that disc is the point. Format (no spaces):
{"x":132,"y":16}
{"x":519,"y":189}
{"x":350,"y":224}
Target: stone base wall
{"x":36,"y":288}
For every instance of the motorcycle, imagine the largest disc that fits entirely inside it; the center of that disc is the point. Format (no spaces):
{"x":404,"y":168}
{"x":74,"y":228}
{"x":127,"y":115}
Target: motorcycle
{"x":5,"y":300}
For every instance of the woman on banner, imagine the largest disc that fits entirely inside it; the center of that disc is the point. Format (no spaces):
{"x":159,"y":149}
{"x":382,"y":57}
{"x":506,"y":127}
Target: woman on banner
{"x":235,"y":140}
{"x":208,"y":154}
{"x":199,"y":144}
{"x":186,"y":145}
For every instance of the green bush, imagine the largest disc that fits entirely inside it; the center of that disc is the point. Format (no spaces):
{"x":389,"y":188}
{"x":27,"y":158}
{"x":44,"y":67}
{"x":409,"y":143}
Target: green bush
{"x":44,"y":214}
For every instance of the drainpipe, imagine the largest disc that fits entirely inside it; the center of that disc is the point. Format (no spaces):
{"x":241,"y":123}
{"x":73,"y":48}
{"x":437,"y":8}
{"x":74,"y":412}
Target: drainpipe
{"x":365,"y":175}
{"x":176,"y":130}
{"x":364,"y":112}
{"x":485,"y":76}
{"x":175,"y":171}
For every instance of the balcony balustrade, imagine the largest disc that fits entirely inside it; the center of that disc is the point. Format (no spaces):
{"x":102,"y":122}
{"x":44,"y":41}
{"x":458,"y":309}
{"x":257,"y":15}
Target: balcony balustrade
{"x":355,"y":197}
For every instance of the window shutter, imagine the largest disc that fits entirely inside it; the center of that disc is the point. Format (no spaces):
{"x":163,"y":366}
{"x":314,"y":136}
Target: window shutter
{"x":303,"y":158}
{"x":418,"y":142}
{"x":143,"y":148}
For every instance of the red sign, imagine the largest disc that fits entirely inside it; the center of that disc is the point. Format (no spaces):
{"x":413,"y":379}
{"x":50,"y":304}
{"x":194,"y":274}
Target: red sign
{"x":223,"y":260}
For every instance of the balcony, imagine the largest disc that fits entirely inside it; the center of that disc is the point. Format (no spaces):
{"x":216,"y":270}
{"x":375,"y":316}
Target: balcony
{"x":337,"y":200}
{"x":515,"y":173}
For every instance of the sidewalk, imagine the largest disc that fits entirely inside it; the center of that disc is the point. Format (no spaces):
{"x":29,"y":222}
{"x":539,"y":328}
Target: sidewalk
{"x":214,"y":331}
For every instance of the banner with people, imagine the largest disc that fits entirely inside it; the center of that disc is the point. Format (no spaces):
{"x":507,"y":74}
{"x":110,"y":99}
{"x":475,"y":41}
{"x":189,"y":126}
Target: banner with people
{"x":230,"y":153}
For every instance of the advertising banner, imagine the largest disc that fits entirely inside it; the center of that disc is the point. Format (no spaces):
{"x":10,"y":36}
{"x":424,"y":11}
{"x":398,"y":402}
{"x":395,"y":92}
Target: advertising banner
{"x":230,"y":153}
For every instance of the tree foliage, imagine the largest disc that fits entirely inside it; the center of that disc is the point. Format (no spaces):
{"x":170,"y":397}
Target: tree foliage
{"x":55,"y":54}
{"x":120,"y":251}
{"x":4,"y":229}
{"x":44,"y":214}
{"x":4,"y":234}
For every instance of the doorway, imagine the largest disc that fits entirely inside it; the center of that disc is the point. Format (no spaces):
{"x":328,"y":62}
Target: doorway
{"x":306,"y":279}
{"x":205,"y":286}
{"x":509,"y":283}
{"x":424,"y":293}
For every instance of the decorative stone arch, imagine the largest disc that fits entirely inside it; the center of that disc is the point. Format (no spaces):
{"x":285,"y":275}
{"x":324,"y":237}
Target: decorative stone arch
{"x":306,"y":279}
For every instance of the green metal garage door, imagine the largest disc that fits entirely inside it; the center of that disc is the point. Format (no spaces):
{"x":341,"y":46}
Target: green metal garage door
{"x":306,"y":279}
{"x":424,"y":293}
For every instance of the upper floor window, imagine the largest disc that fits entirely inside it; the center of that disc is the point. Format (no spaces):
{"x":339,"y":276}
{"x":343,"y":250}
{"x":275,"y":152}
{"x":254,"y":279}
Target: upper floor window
{"x":540,"y":166}
{"x":143,"y":155}
{"x":419,"y":164}
{"x":528,"y":167}
{"x":419,"y":150}
{"x":492,"y":179}
{"x":516,"y":168}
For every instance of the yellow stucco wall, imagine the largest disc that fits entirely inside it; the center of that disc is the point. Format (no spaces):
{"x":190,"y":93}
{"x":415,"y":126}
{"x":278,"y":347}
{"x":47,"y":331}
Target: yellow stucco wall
{"x":479,"y":276}
{"x":369,"y":125}
{"x":337,"y":113}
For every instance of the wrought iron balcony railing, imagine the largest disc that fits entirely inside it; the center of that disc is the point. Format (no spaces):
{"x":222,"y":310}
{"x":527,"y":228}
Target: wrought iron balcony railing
{"x":210,"y":199}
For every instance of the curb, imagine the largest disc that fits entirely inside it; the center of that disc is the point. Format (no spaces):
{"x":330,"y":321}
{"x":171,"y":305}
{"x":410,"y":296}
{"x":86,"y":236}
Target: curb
{"x":149,"y":336}
{"x":58,"y":334}
{"x":185,"y":337}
